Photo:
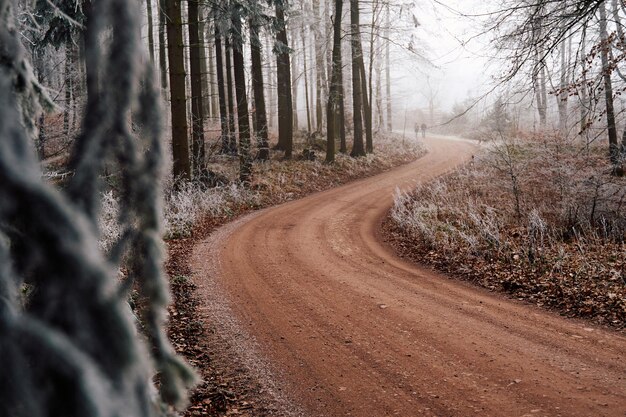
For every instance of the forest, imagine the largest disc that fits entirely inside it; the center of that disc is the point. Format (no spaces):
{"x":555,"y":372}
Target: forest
{"x":312,"y":207}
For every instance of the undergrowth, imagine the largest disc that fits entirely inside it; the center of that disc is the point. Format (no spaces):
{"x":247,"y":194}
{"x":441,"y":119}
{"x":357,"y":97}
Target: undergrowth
{"x":274,"y":182}
{"x":539,"y":218}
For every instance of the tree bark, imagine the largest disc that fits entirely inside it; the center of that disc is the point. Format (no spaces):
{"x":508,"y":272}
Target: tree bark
{"x":219,"y":67}
{"x":608,"y":88}
{"x":180,"y":140}
{"x":295,"y":80}
{"x":162,"y":45}
{"x":283,"y":75}
{"x":367,"y":107}
{"x":232,"y":140}
{"x":306,"y":83}
{"x":358,"y":148}
{"x":388,"y":71}
{"x":150,"y":30}
{"x":197,"y":112}
{"x":243,"y":118}
{"x":562,"y":96}
{"x":320,"y":73}
{"x":204,"y":69}
{"x":259,"y":98}
{"x":68,"y":88}
{"x":332,"y":113}
{"x":213,"y":95}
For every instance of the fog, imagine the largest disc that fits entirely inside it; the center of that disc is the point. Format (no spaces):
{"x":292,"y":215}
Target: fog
{"x":454,"y":62}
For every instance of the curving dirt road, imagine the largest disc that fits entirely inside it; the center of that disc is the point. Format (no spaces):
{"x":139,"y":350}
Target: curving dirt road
{"x":352,"y":330}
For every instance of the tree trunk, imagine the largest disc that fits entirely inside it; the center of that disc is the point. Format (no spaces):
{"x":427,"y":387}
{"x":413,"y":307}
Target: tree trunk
{"x":380,"y":123}
{"x":306,"y":84}
{"x":271,"y":90}
{"x":563,"y":95}
{"x":219,"y":67}
{"x":180,"y":140}
{"x":367,"y":107}
{"x":257,"y":85}
{"x":584,"y":93}
{"x":388,"y":71}
{"x":150,"y":30}
{"x":320,"y":73}
{"x":539,"y":73}
{"x":68,"y":88}
{"x":243,"y":118}
{"x":295,"y":80}
{"x":232,"y":140}
{"x":162,"y":52}
{"x":204,"y":69}
{"x":358,"y":148}
{"x":285,"y":110}
{"x":212,"y":69}
{"x":332,"y":109}
{"x":197,"y":112}
{"x":608,"y":89}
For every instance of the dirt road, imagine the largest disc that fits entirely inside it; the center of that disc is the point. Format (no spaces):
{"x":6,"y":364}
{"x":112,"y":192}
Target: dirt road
{"x":349,"y":329}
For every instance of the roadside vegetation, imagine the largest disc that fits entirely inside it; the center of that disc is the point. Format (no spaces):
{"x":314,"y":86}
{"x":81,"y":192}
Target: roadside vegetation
{"x":538,"y":217}
{"x":193,"y":211}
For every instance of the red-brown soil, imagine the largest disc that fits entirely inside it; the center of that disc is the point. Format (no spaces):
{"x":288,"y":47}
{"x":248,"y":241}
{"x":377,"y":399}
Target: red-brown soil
{"x":329,"y":321}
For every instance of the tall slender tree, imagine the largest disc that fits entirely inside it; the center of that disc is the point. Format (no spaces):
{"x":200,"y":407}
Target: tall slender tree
{"x":150,"y":30}
{"x":388,"y":69}
{"x":243,"y":117}
{"x":219,"y":69}
{"x":283,"y":76}
{"x":358,"y":148}
{"x":334,"y":96}
{"x":259,"y":92}
{"x":608,"y":87}
{"x":232,"y":138}
{"x":178,"y":108}
{"x":162,"y":45}
{"x":195,"y":66}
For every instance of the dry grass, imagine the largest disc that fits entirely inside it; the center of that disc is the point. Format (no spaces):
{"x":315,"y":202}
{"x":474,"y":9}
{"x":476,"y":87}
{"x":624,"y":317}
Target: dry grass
{"x":539,"y":218}
{"x":274,"y":182}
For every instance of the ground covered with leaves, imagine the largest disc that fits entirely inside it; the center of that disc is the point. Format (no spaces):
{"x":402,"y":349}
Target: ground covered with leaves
{"x":194,"y":211}
{"x":539,"y":218}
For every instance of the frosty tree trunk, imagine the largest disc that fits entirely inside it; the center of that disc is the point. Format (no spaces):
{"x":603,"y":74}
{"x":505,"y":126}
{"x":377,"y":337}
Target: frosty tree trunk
{"x":563,"y":95}
{"x":608,"y":88}
{"x":388,"y":71}
{"x":243,"y":118}
{"x":320,"y":74}
{"x":162,"y":46}
{"x":219,"y":67}
{"x":150,"y":30}
{"x":295,"y":80}
{"x":283,"y":76}
{"x":539,"y":74}
{"x":197,"y":112}
{"x":180,"y":141}
{"x":380,"y":123}
{"x":357,"y":105}
{"x":68,"y":88}
{"x":204,"y":70}
{"x":257,"y":85}
{"x":213,"y":95}
{"x":271,"y":87}
{"x":332,"y":110}
{"x":306,"y":84}
{"x":232,"y":140}
{"x":367,"y":108}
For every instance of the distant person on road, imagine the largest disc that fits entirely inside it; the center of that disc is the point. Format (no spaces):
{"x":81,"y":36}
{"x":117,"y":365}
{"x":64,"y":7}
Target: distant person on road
{"x":417,"y":130}
{"x":423,"y":130}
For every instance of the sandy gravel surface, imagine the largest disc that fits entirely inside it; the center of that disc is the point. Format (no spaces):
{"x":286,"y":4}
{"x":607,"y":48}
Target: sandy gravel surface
{"x":333,"y":323}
